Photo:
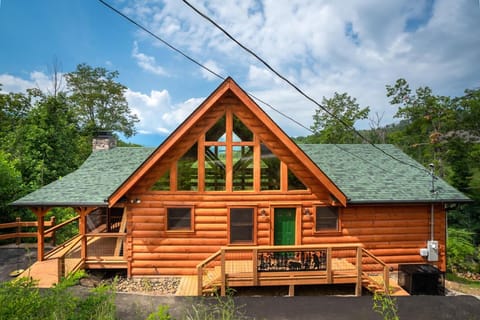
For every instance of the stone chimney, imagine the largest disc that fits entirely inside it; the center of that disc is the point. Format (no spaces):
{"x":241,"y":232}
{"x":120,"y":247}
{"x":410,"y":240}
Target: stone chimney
{"x":104,"y":140}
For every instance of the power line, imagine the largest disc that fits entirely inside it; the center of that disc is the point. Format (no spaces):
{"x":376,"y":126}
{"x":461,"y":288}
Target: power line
{"x":161,"y":40}
{"x":254,"y":97}
{"x":196,"y":61}
{"x":278,"y":74}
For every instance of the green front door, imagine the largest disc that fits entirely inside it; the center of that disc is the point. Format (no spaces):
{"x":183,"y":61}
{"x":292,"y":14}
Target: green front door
{"x":284,"y":226}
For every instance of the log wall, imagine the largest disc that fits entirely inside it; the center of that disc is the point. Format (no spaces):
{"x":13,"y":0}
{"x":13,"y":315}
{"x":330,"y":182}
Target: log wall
{"x":394,"y":233}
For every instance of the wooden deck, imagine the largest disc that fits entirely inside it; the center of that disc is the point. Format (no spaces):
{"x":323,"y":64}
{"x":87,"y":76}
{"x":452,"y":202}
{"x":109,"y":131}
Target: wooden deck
{"x":220,"y":271}
{"x":242,"y":271}
{"x":252,"y":266}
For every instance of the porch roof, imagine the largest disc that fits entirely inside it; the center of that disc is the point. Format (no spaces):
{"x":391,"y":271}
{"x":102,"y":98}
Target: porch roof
{"x":364,"y":173}
{"x":93,"y":182}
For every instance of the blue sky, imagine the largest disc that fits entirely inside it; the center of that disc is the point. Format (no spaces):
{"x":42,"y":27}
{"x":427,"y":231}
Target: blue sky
{"x":324,"y":47}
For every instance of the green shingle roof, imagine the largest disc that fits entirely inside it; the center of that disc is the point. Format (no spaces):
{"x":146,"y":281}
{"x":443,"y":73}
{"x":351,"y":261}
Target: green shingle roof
{"x":96,"y":179}
{"x":366,"y":174}
{"x":362,"y":172}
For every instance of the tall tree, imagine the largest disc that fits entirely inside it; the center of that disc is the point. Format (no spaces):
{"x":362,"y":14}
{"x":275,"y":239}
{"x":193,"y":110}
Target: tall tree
{"x":49,"y":144}
{"x":337,"y":129}
{"x":100,"y":101}
{"x":427,"y":118}
{"x":11,"y":186}
{"x":443,"y":130}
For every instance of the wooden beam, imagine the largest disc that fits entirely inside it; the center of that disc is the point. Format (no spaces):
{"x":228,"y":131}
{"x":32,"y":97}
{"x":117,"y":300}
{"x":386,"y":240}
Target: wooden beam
{"x":229,"y":160}
{"x":291,"y":290}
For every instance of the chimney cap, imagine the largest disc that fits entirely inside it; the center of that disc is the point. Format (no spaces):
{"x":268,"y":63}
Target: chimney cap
{"x":104,"y":133}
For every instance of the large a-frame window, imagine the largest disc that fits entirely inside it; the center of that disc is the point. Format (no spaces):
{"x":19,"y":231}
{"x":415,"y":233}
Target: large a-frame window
{"x":229,"y":157}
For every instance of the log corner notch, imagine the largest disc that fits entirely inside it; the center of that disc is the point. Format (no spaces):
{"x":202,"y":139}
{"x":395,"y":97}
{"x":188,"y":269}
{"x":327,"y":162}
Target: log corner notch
{"x":40,"y":213}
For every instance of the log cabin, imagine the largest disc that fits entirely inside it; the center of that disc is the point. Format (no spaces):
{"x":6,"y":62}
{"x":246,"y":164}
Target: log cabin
{"x":228,"y":185}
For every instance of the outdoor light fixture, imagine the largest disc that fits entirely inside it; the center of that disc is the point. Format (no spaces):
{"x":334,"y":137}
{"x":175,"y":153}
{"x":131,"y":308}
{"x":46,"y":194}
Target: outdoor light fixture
{"x":307,"y":212}
{"x":136,"y":200}
{"x":263,"y":213}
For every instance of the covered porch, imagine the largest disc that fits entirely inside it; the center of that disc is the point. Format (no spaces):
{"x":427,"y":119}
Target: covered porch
{"x":98,"y":244}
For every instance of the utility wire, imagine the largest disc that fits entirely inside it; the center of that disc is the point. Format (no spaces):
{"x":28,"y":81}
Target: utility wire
{"x":196,"y":61}
{"x":254,"y":97}
{"x":161,"y":40}
{"x":278,"y":74}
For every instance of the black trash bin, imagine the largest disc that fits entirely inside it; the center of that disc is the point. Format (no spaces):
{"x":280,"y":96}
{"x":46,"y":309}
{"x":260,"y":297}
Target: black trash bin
{"x":421,"y":279}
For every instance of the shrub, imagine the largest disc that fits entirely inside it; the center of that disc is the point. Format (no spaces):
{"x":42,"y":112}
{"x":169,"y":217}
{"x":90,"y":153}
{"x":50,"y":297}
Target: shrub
{"x":460,"y":251}
{"x":20,"y":299}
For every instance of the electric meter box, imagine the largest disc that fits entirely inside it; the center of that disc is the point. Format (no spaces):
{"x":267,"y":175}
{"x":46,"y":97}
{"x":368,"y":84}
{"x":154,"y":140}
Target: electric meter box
{"x":432,"y":247}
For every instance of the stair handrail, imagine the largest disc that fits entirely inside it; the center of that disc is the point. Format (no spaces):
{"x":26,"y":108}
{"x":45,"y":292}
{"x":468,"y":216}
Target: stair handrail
{"x":386,"y":269}
{"x":200,"y":267}
{"x":60,"y":225}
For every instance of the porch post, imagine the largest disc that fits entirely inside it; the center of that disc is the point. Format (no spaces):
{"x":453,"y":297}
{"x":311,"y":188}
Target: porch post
{"x":82,"y":225}
{"x":40,"y":213}
{"x":40,"y":237}
{"x":82,"y":229}
{"x":223,"y":274}
{"x":358,"y":287}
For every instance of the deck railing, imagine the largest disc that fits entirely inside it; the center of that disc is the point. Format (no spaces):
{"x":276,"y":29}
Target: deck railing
{"x":65,"y":243}
{"x":281,"y":265}
{"x":101,"y":249}
{"x":105,"y":247}
{"x":19,"y":230}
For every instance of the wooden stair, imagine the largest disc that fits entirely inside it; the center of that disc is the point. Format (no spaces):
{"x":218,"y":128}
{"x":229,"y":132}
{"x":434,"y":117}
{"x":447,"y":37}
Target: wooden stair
{"x":374,"y":283}
{"x":212,"y":280}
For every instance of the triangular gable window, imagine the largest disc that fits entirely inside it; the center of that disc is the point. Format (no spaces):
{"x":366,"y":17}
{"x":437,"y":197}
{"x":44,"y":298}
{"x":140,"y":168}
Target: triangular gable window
{"x":270,"y":170}
{"x":229,"y":143}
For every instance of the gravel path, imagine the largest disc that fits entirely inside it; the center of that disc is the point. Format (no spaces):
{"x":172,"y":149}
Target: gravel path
{"x":158,"y":286}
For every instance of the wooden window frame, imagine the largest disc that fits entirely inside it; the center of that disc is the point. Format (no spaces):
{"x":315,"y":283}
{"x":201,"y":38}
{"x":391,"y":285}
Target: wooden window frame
{"x":254,"y":226}
{"x":192,"y":220}
{"x":333,"y":231}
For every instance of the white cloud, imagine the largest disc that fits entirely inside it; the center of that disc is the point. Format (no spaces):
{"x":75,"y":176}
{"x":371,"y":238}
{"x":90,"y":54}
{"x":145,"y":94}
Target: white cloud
{"x":308,"y":41}
{"x":213,"y":66}
{"x":156,"y":112}
{"x":323,"y":46}
{"x":147,"y":63}
{"x":36,"y":79}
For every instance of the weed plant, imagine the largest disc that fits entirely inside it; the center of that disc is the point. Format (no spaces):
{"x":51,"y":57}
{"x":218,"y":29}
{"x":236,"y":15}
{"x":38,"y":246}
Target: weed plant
{"x":386,"y":305}
{"x":20,"y":299}
{"x":220,"y":308}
